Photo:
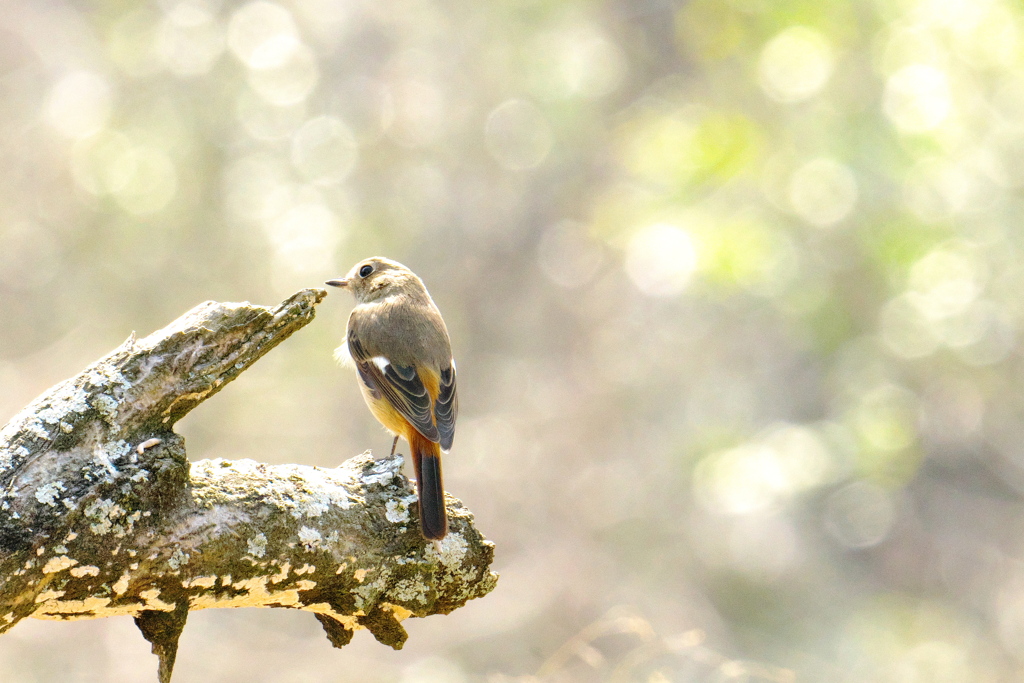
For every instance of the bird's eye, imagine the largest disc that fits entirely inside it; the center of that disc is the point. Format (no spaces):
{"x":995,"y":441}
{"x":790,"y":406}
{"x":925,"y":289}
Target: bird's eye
{"x":365,"y":270}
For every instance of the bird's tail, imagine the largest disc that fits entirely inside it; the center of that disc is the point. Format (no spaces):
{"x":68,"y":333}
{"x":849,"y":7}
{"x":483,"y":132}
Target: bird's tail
{"x":426,"y":458}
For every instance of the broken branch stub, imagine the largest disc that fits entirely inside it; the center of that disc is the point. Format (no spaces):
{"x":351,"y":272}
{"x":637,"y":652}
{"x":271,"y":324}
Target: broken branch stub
{"x":102,"y":514}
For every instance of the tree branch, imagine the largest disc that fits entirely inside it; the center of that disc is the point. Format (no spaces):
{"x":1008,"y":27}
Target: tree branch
{"x":102,"y":514}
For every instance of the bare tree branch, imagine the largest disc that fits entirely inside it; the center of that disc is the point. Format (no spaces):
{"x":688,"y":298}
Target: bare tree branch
{"x":102,"y":514}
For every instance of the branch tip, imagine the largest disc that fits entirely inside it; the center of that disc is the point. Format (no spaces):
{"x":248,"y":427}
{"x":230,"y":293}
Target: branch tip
{"x":163,"y":629}
{"x":335,"y":630}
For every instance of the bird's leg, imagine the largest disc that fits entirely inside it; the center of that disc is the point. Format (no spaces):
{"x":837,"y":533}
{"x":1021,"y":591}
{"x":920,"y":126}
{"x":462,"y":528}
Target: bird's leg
{"x":394,"y":445}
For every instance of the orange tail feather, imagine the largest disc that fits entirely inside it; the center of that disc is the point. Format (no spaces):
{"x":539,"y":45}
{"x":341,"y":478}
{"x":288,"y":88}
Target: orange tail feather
{"x":426,"y":458}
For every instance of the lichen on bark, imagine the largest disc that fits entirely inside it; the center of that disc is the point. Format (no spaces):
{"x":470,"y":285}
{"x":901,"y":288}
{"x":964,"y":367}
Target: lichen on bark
{"x":102,"y":514}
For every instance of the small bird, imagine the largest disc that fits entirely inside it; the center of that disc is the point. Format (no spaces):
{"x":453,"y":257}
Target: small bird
{"x":400,"y":346}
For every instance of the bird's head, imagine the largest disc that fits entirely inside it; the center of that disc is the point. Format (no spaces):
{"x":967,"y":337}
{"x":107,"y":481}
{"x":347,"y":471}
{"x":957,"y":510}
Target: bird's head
{"x":376,"y":278}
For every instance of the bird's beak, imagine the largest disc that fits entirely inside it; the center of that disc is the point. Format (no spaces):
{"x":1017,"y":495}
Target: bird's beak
{"x":337,"y":283}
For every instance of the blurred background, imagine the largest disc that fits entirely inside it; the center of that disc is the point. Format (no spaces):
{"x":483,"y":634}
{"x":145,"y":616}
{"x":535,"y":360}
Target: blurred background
{"x":734,"y":287}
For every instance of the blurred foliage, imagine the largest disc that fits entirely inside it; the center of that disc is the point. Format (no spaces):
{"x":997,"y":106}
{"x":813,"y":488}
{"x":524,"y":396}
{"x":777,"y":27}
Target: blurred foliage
{"x":734,"y":288}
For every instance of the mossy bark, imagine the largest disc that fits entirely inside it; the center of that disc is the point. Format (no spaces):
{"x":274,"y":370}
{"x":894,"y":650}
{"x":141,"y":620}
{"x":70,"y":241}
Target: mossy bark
{"x":102,"y":514}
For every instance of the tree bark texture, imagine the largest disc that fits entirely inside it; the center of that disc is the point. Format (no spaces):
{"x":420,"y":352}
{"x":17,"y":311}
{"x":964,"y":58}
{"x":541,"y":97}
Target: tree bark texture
{"x":102,"y":514}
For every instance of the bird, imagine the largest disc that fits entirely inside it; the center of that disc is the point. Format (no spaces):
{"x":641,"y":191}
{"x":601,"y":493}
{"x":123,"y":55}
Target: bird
{"x":400,"y":346}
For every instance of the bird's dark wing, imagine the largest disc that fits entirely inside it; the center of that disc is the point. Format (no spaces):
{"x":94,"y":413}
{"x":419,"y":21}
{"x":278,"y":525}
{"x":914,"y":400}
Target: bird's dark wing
{"x":399,"y":385}
{"x":446,"y":409}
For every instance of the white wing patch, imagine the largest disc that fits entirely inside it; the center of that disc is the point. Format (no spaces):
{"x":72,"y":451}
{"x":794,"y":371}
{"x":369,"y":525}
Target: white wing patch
{"x":381,"y":362}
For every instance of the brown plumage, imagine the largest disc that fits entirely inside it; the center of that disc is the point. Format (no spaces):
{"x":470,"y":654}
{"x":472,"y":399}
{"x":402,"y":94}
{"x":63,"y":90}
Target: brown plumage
{"x":399,"y":344}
